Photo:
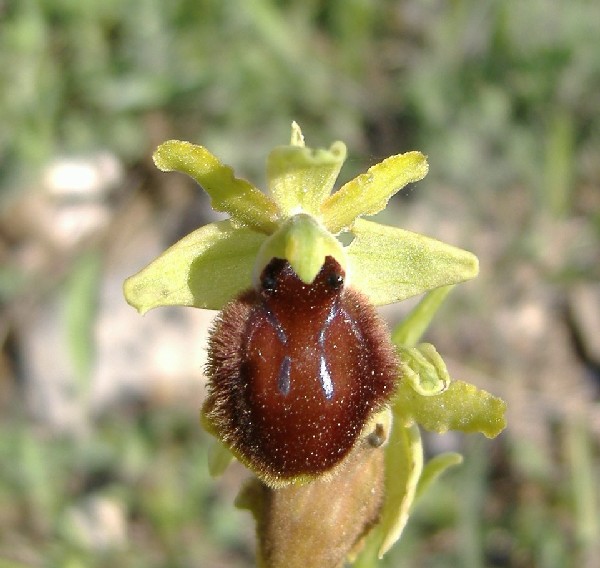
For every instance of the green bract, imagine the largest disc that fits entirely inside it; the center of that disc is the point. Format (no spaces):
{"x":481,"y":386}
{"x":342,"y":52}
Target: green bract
{"x":300,"y":220}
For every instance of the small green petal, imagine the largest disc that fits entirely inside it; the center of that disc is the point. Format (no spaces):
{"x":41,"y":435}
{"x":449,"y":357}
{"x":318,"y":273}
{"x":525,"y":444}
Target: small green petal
{"x":369,"y":193}
{"x":301,"y":178}
{"x":403,"y":466}
{"x":246,"y":204}
{"x":391,"y":264}
{"x":424,"y":369}
{"x":305,"y":243}
{"x":205,"y":269}
{"x":462,"y":407}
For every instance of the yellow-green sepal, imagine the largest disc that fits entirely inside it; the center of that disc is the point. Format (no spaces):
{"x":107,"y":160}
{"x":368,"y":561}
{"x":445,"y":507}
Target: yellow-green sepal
{"x":369,"y":193}
{"x":304,"y":243}
{"x":391,"y":264}
{"x":245,"y":203}
{"x":301,"y":178}
{"x":205,"y":269}
{"x":461,"y":406}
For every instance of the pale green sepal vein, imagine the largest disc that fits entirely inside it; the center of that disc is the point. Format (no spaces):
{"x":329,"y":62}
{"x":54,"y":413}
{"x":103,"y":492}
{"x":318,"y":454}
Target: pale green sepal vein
{"x":391,"y":264}
{"x":369,"y":193}
{"x":301,"y":178}
{"x":461,"y":407}
{"x":244,"y":202}
{"x":205,"y":269}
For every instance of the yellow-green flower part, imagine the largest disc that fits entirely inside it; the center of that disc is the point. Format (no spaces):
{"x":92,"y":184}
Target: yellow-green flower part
{"x":300,"y":218}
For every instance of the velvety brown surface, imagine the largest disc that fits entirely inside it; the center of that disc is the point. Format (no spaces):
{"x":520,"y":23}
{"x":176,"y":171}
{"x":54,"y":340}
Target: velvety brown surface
{"x":296,"y":370}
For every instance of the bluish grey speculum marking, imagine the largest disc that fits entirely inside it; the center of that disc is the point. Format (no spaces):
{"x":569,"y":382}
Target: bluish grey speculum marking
{"x":284,"y":375}
{"x":283,"y":378}
{"x":281,"y":335}
{"x":324,"y":374}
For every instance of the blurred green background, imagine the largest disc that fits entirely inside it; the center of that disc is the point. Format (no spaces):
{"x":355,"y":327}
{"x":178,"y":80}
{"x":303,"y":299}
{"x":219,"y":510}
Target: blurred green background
{"x":102,"y":460}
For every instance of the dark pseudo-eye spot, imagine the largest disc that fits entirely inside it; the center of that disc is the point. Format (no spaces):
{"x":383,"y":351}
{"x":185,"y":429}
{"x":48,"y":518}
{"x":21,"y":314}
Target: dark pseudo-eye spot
{"x":294,"y":375}
{"x":269,"y":283}
{"x":335,"y":280}
{"x":271,"y":275}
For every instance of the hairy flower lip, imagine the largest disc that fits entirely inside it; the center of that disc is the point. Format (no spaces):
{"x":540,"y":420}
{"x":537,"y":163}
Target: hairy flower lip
{"x":296,"y":371}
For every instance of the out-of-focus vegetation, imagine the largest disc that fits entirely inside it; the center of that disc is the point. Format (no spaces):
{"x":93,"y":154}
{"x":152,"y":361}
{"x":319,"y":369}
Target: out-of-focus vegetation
{"x":504,"y":97}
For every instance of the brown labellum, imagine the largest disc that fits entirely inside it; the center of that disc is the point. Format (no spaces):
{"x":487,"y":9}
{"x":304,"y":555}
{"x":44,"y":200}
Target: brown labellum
{"x":295,"y":371}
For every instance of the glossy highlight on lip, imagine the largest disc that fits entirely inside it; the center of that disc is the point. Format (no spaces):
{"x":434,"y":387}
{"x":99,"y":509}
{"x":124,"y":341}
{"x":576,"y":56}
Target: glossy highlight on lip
{"x":295,"y":371}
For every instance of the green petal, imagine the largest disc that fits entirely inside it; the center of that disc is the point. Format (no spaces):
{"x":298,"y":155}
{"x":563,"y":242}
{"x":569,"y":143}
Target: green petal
{"x":461,"y":407}
{"x":239,"y":198}
{"x":205,"y":269}
{"x":424,"y":369}
{"x":403,"y":467}
{"x":369,"y":193}
{"x":391,"y":264}
{"x":301,"y":178}
{"x":305,"y":243}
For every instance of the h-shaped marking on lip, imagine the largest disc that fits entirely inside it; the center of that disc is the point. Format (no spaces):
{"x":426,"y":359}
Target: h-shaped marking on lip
{"x":285,"y":368}
{"x":324,"y":374}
